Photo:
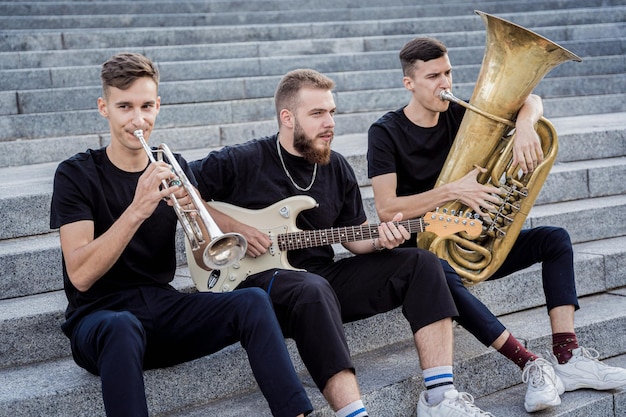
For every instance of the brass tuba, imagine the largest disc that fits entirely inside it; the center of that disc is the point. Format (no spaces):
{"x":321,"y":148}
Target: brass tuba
{"x":212,"y":249}
{"x":515,"y":61}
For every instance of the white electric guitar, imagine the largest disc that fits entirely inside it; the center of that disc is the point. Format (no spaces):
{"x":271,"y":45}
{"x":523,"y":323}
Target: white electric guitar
{"x":278,"y":221}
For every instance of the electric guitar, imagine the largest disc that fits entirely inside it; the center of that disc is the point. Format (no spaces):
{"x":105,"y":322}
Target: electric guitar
{"x":278,"y":221}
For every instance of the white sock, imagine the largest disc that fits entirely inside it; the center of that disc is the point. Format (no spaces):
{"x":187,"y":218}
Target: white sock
{"x":354,"y":409}
{"x":437,"y":380}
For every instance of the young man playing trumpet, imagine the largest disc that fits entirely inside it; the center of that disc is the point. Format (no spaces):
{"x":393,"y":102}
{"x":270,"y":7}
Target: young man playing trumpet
{"x":406,"y":152}
{"x":118,"y":242}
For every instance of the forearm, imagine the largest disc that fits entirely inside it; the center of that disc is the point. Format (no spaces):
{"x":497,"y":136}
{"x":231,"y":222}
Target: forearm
{"x":88,"y":261}
{"x":531,"y":111}
{"x":415,"y":205}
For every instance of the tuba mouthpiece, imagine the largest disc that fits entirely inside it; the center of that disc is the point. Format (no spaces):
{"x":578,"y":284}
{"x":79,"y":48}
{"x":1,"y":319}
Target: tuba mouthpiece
{"x":446,"y":95}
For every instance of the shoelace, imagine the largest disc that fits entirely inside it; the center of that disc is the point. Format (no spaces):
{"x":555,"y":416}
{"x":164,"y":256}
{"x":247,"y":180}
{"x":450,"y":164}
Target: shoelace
{"x":589,"y":353}
{"x":536,"y":378}
{"x":465,"y":401}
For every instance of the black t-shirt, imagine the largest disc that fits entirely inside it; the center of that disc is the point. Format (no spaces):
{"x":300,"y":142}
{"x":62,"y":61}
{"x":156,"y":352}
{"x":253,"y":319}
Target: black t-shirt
{"x":416,"y":154}
{"x":251,"y":176}
{"x":88,"y":186}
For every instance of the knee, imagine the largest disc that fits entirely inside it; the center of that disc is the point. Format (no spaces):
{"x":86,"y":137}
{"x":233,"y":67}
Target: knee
{"x":254,"y":299}
{"x":560,"y":235}
{"x":122,"y":326}
{"x":559,"y":241}
{"x":316,"y":289}
{"x":429,"y":266}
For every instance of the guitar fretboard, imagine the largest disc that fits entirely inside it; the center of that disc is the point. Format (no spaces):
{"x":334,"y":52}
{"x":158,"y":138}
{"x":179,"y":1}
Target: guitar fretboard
{"x":312,"y":238}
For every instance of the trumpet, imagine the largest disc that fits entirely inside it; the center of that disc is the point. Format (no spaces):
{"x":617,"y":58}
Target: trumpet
{"x":217,"y":250}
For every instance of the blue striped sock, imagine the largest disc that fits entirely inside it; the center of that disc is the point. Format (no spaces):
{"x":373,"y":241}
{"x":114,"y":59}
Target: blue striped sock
{"x":354,"y":409}
{"x":437,"y":380}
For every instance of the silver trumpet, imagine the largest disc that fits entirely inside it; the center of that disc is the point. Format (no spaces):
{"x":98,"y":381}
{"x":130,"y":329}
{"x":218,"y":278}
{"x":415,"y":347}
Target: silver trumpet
{"x":219,"y":250}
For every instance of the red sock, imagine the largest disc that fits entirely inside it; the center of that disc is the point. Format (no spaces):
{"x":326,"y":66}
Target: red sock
{"x":516,"y":352}
{"x":562,"y":346}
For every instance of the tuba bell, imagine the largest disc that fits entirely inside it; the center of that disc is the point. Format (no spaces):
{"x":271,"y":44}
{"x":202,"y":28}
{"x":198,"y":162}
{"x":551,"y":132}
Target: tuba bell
{"x":515,"y":61}
{"x":212,"y":249}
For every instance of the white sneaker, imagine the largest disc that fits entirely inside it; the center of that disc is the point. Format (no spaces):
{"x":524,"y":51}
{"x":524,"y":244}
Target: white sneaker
{"x":454,"y":404}
{"x":542,"y":391}
{"x":584,"y":370}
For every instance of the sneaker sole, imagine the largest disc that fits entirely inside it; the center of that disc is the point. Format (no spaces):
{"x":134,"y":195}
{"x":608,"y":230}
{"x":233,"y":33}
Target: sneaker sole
{"x":542,"y":406}
{"x":596,"y":385}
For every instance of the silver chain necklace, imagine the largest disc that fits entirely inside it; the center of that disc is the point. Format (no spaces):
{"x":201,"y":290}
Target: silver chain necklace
{"x":280,"y":155}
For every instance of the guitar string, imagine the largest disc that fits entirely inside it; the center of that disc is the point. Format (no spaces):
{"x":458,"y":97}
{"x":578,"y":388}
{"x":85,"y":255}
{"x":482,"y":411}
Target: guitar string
{"x":290,"y":240}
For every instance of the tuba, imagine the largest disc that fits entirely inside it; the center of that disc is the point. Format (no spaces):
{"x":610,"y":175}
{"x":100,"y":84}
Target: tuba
{"x":212,"y":249}
{"x":515,"y":61}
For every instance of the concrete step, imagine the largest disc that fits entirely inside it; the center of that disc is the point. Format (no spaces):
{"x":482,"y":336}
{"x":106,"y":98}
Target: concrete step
{"x":589,"y":136}
{"x":219,"y":67}
{"x":89,"y":38}
{"x":231,"y":89}
{"x":581,"y":187}
{"x":29,"y":321}
{"x":356,"y":115}
{"x":26,"y":192}
{"x":268,"y":58}
{"x":64,"y":7}
{"x":462,"y":46}
{"x":165,"y":14}
{"x":391,"y":371}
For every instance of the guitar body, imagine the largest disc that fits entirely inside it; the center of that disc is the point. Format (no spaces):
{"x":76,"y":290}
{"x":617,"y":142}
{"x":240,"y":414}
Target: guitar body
{"x":276,"y":219}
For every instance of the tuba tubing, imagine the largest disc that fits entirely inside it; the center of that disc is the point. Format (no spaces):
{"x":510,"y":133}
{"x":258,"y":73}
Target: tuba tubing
{"x":216,"y":249}
{"x":515,"y":61}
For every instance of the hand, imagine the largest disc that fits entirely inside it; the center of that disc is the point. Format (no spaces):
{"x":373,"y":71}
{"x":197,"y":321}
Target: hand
{"x":149,"y":191}
{"x":183,"y":198}
{"x":391,"y":236}
{"x":475,"y":195}
{"x":527,"y":152}
{"x":258,"y":242}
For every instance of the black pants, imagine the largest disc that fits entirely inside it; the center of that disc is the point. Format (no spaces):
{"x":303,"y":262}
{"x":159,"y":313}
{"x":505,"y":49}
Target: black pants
{"x":548,"y":245}
{"x":311,"y":306}
{"x":164,"y":327}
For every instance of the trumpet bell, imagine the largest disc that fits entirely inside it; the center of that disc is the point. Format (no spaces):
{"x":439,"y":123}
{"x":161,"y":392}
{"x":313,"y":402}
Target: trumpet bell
{"x":225,"y":251}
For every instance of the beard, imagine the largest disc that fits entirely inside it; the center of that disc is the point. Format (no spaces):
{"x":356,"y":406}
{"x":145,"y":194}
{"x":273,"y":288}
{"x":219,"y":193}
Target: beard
{"x":304,"y":145}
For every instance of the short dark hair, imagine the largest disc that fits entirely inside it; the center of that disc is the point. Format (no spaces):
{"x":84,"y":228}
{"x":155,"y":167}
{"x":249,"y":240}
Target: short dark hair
{"x":292,"y":82}
{"x":420,"y":49}
{"x":122,"y":70}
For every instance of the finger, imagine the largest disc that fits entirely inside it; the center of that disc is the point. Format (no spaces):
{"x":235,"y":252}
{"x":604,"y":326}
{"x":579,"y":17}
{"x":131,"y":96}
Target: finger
{"x":480,"y":169}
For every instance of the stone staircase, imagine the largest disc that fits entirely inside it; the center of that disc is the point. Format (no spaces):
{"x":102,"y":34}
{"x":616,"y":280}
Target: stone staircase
{"x":220,"y":62}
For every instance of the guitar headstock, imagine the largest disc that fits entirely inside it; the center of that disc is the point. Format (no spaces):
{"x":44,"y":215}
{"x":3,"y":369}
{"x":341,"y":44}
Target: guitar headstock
{"x":443,"y":224}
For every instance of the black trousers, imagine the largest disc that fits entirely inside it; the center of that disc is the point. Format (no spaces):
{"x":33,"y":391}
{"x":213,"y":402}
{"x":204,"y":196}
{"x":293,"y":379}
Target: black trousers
{"x":163,"y":327}
{"x":312,"y":306}
{"x":548,"y":245}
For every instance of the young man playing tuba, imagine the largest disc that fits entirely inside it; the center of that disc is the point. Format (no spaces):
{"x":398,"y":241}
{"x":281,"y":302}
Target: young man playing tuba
{"x":407,"y":149}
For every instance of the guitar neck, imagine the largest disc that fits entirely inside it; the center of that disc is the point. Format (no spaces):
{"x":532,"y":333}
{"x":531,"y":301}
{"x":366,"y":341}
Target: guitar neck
{"x":312,"y":238}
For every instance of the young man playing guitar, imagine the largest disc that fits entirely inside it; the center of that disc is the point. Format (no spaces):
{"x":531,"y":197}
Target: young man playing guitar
{"x":312,"y":304}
